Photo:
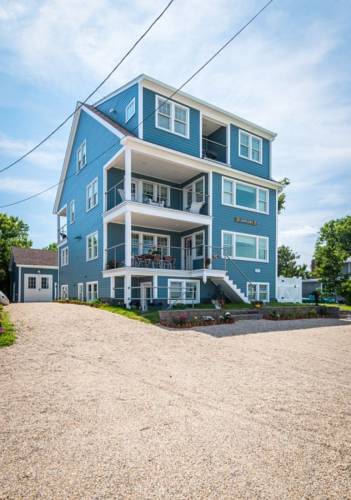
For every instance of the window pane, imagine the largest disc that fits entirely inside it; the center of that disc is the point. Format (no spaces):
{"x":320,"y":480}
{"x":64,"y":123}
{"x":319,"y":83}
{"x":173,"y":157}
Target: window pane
{"x":252,"y":290}
{"x":189,"y":197}
{"x":190,"y":290}
{"x":44,"y":283}
{"x":262,"y":200}
{"x":180,"y":127}
{"x":32,"y":282}
{"x":256,"y":155}
{"x":245,"y":246}
{"x":199,"y":191}
{"x":199,"y":244}
{"x":135,"y":244}
{"x":175,"y":291}
{"x":134,"y":191}
{"x":148,"y":243}
{"x":244,"y":139}
{"x":228,"y":245}
{"x":148,"y":191}
{"x":162,"y":194}
{"x":228,"y":192}
{"x":164,"y":107}
{"x":162,"y":245}
{"x":244,"y":151}
{"x":262,"y":249}
{"x":246,"y":196}
{"x":180,"y":114}
{"x":263,"y":292}
{"x":164,"y":122}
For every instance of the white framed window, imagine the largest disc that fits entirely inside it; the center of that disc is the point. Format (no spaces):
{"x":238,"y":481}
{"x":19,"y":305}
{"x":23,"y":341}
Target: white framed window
{"x":64,"y":256}
{"x":183,"y":291}
{"x":154,"y":192}
{"x":130,"y":110}
{"x":92,"y":195}
{"x":172,"y":117}
{"x":143,"y":243}
{"x":64,"y":292}
{"x":72,"y":211}
{"x":250,"y":147}
{"x":80,"y":291}
{"x":258,"y":291}
{"x":194,"y":193}
{"x":92,"y":246}
{"x":246,"y":196}
{"x":32,"y":282}
{"x":82,"y":155}
{"x":92,"y":290}
{"x":44,"y":282}
{"x":243,"y":246}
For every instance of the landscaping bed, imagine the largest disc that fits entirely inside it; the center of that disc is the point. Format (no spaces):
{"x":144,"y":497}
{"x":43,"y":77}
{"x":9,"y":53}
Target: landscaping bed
{"x":7,"y":331}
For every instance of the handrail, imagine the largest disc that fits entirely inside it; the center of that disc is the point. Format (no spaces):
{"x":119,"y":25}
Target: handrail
{"x":204,"y":138}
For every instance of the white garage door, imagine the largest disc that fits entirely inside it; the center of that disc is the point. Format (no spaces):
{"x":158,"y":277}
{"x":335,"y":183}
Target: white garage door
{"x":37,"y":287}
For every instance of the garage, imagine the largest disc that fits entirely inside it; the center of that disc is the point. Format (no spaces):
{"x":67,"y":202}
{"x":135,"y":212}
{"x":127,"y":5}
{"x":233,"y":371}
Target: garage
{"x":37,"y":288}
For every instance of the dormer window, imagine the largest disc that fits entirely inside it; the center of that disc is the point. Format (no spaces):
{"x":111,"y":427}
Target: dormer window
{"x":172,"y":117}
{"x":250,"y":147}
{"x":82,"y":156}
{"x":130,"y":110}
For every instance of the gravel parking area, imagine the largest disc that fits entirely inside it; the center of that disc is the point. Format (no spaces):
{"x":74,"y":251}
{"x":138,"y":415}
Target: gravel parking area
{"x":94,"y":405}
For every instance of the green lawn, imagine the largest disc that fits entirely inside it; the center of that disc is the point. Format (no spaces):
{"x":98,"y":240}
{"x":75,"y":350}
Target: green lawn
{"x":342,"y":307}
{"x":147,"y":317}
{"x":9,"y":336}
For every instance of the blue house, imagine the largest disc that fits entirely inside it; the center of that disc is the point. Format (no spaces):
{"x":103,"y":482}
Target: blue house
{"x":33,"y":275}
{"x":166,"y":201}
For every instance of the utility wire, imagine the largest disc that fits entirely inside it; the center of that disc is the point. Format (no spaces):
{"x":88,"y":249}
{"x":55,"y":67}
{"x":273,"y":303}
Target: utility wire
{"x":34,"y":148}
{"x":155,"y":110}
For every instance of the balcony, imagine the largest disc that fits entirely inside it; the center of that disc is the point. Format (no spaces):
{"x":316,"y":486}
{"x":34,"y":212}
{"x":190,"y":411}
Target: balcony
{"x":214,"y":141}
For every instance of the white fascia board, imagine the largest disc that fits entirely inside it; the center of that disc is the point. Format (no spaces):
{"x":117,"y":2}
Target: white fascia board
{"x":119,"y":90}
{"x":200,"y":164}
{"x":37,"y":266}
{"x":207,"y":109}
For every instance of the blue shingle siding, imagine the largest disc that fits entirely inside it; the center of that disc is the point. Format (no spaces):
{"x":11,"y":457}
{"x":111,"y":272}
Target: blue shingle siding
{"x":98,"y":139}
{"x":223,"y":219}
{"x":169,"y":140}
{"x":118,"y":104}
{"x":251,"y":167}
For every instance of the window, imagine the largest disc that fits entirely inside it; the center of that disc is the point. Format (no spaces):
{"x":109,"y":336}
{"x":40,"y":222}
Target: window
{"x":194,"y":193}
{"x":172,"y":117}
{"x":144,"y":242}
{"x":92,"y":194}
{"x":72,"y":212}
{"x":82,"y":156}
{"x":244,"y":246}
{"x":184,"y":291}
{"x":80,"y":292}
{"x":258,"y":291}
{"x":64,"y":256}
{"x":92,"y":246}
{"x":92,"y":291}
{"x":199,"y":244}
{"x":130,"y":110}
{"x":44,"y":283}
{"x":247,"y":196}
{"x":250,"y":147}
{"x":32,"y":282}
{"x":64,"y":292}
{"x":154,"y":192}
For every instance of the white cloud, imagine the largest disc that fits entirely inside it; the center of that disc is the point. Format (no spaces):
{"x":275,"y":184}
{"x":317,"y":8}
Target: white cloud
{"x":25,"y":187}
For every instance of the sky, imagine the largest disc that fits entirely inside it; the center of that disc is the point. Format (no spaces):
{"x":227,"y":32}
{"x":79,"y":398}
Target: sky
{"x":288,"y":72}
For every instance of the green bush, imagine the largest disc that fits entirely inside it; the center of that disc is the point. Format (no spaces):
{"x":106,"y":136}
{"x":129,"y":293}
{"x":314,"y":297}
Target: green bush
{"x":9,"y":336}
{"x":345,"y":291}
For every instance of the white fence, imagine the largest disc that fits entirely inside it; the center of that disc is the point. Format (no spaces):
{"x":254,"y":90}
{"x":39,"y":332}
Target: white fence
{"x":289,"y":289}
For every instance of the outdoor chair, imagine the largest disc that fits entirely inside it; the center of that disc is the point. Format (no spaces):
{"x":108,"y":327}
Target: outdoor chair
{"x":196,"y":206}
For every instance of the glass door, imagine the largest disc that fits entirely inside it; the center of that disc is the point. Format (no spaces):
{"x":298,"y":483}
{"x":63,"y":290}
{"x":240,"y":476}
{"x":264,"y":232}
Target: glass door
{"x":188,"y":252}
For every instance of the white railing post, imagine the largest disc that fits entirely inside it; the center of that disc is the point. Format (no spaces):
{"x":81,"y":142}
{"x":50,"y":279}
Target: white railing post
{"x":128,"y":239}
{"x":128,"y":174}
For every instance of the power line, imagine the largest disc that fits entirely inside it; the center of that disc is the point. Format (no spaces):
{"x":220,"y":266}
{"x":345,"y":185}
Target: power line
{"x":154,"y":111}
{"x":34,"y":148}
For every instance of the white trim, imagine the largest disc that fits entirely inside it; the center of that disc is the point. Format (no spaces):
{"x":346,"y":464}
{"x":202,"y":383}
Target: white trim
{"x":155,"y":286}
{"x":251,"y":136}
{"x":91,"y":283}
{"x":192,"y":186}
{"x":276,"y":244}
{"x":70,"y":212}
{"x":183,"y":291}
{"x":242,"y":207}
{"x":140,"y":110}
{"x":96,"y":180}
{"x":36,"y":266}
{"x":151,"y":271}
{"x":82,"y":146}
{"x":126,"y":86}
{"x":90,"y":235}
{"x":131,"y":104}
{"x":112,"y":287}
{"x":234,"y":256}
{"x":228,"y":143}
{"x":64,"y":286}
{"x":144,"y":285}
{"x":80,"y":285}
{"x":140,"y":187}
{"x":172,"y":118}
{"x":64,"y":256}
{"x":141,"y":235}
{"x":258,"y":284}
{"x":19,"y":285}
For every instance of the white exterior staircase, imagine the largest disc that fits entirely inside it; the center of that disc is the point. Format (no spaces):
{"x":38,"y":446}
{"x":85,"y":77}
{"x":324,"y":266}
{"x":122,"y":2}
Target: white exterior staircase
{"x":222,"y":279}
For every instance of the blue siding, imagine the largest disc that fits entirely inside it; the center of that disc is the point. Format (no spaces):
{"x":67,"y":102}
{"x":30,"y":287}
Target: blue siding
{"x":223,"y":219}
{"x":190,"y":146}
{"x":98,"y":139}
{"x":248,"y":166}
{"x":118,"y":103}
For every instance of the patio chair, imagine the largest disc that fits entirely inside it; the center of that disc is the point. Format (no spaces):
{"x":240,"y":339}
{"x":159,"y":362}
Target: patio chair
{"x":196,"y":206}
{"x":121,"y":193}
{"x":156,"y":262}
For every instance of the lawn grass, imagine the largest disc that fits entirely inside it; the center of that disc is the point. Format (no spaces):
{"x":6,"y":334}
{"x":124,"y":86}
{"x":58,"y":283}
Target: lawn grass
{"x":9,"y":336}
{"x":146,"y":317}
{"x":342,"y":307}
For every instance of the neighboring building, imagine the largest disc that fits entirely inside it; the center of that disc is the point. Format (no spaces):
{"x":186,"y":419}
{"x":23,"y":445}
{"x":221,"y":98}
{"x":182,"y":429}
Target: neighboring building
{"x":346,"y":271}
{"x":33,"y":275}
{"x":170,"y":201}
{"x":310,"y":285}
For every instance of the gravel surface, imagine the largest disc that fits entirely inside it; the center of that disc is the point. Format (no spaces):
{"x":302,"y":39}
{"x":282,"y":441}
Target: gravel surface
{"x":93,"y":405}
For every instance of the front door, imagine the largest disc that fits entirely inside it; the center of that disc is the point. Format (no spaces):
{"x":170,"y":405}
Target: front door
{"x":145,"y":294}
{"x":188,"y":252}
{"x":37,"y":287}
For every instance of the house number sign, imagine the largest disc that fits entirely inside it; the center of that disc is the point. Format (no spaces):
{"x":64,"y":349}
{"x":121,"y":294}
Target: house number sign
{"x":242,"y":220}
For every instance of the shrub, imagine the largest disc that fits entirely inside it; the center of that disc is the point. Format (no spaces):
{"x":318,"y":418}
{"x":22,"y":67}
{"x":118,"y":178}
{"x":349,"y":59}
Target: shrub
{"x":345,"y":290}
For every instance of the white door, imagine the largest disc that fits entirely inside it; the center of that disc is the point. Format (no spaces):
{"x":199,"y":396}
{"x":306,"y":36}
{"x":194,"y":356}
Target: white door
{"x":145,"y":294}
{"x":37,"y":287}
{"x":81,"y":292}
{"x":188,"y":252}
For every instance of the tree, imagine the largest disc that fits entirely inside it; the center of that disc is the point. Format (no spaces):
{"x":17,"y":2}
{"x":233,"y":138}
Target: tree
{"x":282,"y":196}
{"x":333,"y":247}
{"x":52,"y":247}
{"x":287,"y":263}
{"x":13,"y":233}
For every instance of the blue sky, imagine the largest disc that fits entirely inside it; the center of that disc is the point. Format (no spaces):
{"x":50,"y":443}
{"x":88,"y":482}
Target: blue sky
{"x":289,"y":72}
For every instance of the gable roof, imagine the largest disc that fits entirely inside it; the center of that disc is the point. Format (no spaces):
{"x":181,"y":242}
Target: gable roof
{"x":34,"y":257}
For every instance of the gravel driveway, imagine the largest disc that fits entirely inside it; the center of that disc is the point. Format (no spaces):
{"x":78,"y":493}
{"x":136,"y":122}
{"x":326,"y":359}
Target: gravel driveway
{"x":93,"y":405}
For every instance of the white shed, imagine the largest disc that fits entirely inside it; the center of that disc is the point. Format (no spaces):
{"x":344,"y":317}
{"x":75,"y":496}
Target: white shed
{"x":289,"y":289}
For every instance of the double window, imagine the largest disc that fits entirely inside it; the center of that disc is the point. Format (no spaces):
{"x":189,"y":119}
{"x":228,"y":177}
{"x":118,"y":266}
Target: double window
{"x":184,"y":291}
{"x":92,"y":246}
{"x":244,"y":246}
{"x":130,"y":110}
{"x":194,"y":193}
{"x":241,"y":195}
{"x":250,"y":146}
{"x":72,"y":212}
{"x":258,"y":291}
{"x":156,"y":193}
{"x":92,"y":290}
{"x":64,"y":256}
{"x":82,"y":156}
{"x":92,"y":195}
{"x":172,"y":117}
{"x":144,"y":243}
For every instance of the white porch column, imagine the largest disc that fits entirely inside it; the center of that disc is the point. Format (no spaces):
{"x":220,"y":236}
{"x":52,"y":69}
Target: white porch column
{"x":210,"y":212}
{"x":128,"y":174}
{"x":127,"y":290}
{"x":128,"y":239}
{"x":112,"y":287}
{"x":155,"y":287}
